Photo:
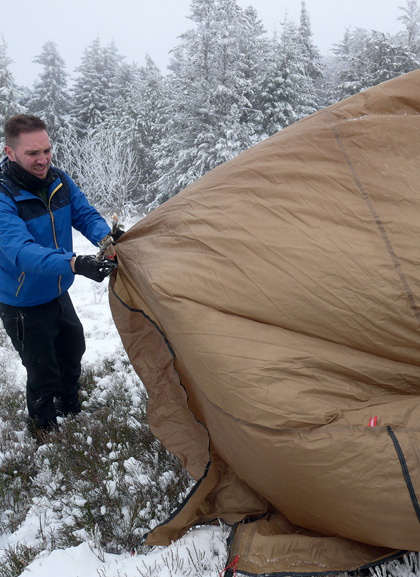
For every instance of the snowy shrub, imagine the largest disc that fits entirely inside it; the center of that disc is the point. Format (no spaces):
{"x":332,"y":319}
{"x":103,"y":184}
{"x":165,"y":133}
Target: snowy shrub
{"x":16,"y":559}
{"x":407,"y":566}
{"x":104,"y":166}
{"x":16,"y":451}
{"x":101,"y":478}
{"x":17,"y":467}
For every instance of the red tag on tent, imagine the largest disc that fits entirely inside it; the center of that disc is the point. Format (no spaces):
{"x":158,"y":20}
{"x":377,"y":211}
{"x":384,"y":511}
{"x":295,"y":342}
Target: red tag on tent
{"x":234,"y":565}
{"x":373,"y":422}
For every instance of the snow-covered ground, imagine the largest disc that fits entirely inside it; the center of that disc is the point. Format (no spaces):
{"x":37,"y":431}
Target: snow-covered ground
{"x":202,"y":552}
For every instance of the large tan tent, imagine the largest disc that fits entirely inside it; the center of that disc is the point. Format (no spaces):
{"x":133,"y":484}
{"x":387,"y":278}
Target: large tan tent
{"x":272,"y":310}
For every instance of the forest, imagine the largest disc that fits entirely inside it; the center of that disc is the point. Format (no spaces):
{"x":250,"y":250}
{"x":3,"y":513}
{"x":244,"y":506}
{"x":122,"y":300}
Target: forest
{"x":132,"y":137}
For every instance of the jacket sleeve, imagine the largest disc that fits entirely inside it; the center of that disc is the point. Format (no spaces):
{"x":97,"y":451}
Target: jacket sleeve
{"x":85,"y":218}
{"x":19,"y":247}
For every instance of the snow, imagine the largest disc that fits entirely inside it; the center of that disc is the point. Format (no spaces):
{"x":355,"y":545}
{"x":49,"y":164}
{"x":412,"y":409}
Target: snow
{"x":202,"y":544}
{"x":202,"y":552}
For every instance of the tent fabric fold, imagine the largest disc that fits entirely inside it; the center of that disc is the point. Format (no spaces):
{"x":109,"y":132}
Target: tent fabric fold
{"x":272,"y":310}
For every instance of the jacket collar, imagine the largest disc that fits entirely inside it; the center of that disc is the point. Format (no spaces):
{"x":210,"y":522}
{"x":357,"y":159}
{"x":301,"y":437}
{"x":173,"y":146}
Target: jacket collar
{"x":23,"y":178}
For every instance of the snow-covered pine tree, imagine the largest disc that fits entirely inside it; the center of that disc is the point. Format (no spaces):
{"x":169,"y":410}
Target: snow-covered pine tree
{"x":411,"y":20}
{"x":288,"y":92}
{"x":96,"y":86}
{"x":50,"y":99}
{"x":315,"y":66}
{"x":116,"y":76}
{"x":256,"y":51}
{"x":310,"y":52}
{"x":88,"y":100}
{"x":188,"y":110}
{"x":231,"y":84}
{"x":139,"y":117}
{"x":209,"y":85}
{"x":370,"y":57}
{"x":9,"y":93}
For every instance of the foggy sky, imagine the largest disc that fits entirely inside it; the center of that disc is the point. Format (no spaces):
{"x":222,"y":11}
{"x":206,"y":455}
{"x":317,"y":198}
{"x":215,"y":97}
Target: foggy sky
{"x":152,"y":27}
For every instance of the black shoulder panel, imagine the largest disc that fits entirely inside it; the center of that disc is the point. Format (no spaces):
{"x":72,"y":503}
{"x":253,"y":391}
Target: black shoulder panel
{"x":34,"y":207}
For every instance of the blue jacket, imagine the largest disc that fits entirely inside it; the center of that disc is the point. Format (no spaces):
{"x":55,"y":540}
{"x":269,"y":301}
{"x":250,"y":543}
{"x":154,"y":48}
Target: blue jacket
{"x":36,"y":243}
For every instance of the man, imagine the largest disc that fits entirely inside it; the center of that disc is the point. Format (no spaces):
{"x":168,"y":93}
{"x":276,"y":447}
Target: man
{"x":39,"y":205}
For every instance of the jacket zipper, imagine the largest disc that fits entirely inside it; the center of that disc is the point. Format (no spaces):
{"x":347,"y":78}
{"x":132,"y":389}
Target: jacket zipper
{"x":21,"y":280}
{"x":53,"y":227}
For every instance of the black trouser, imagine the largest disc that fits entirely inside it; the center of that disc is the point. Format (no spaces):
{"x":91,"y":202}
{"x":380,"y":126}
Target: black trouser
{"x":49,"y":339}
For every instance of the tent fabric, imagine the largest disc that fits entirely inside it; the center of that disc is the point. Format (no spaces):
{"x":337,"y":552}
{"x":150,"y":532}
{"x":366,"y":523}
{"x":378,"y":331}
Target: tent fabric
{"x":272,"y":310}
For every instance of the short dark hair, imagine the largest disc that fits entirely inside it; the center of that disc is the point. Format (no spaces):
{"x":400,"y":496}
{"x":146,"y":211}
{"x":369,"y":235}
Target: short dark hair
{"x":19,"y":124}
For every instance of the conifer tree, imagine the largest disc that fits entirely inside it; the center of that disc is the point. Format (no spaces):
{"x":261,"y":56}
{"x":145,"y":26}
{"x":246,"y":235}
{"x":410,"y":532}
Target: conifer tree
{"x":50,"y":99}
{"x":116,"y":76}
{"x":96,"y":86}
{"x":9,"y":93}
{"x":255,"y":48}
{"x":369,"y":58}
{"x":411,"y":20}
{"x":310,"y":52}
{"x":287,"y":90}
{"x":210,"y":84}
{"x":140,"y":119}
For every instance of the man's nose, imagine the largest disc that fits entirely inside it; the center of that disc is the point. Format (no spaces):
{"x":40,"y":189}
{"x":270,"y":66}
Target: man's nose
{"x":44,"y":158}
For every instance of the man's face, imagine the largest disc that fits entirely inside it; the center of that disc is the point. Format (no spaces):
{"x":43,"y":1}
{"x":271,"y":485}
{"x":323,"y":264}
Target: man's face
{"x":32,"y":152}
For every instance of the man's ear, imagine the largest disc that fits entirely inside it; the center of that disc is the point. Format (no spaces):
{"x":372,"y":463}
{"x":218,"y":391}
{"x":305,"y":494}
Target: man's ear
{"x":10,"y":153}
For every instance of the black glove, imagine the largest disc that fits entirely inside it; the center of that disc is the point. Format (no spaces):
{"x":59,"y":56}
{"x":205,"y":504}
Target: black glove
{"x":89,"y":266}
{"x":117,"y":234}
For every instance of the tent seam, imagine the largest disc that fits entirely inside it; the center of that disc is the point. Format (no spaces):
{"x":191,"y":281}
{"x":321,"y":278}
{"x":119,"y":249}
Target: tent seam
{"x":376,"y":218}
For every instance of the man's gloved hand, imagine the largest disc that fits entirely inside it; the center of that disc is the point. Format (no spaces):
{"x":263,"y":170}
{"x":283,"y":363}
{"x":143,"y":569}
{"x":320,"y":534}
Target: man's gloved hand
{"x":117,"y":234}
{"x":89,"y":266}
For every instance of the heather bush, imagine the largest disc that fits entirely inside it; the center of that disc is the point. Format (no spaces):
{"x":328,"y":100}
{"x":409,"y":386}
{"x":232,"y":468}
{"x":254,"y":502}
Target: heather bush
{"x":102,"y":477}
